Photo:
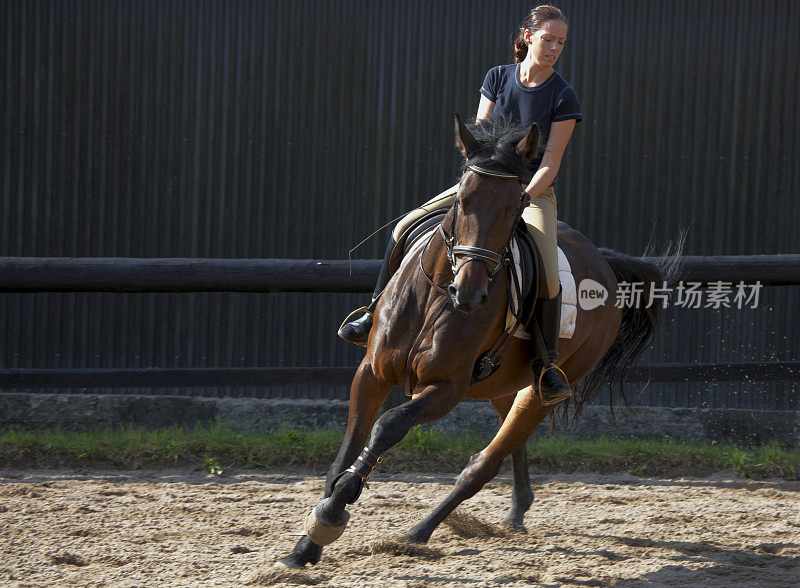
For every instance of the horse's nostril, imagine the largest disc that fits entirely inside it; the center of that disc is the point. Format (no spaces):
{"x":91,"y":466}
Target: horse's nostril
{"x":452,"y":290}
{"x":484,"y":298}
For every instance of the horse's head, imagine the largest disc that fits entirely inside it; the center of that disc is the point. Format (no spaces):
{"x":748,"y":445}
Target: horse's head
{"x":489,"y":202}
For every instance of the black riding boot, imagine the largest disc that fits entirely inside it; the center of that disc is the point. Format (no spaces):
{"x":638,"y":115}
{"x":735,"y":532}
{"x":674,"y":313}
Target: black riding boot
{"x":357,"y":331}
{"x":551,"y":388}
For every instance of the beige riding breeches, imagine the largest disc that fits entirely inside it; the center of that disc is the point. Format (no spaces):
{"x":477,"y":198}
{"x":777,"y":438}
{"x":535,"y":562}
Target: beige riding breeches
{"x":539,"y":216}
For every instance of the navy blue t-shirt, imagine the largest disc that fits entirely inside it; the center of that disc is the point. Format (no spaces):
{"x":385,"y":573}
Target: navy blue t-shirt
{"x":552,"y":101}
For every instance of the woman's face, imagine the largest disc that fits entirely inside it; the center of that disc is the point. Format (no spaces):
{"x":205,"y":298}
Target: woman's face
{"x":546,"y":44}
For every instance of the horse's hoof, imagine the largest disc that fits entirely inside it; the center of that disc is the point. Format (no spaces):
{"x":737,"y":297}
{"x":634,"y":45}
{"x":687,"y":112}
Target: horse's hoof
{"x":417,"y":534}
{"x":515,"y":521}
{"x":412,"y":538}
{"x":515,"y":526}
{"x":304,"y":552}
{"x":319,"y":532}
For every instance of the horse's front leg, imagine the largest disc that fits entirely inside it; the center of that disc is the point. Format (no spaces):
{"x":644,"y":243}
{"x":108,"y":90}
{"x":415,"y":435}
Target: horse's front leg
{"x":521,"y":493}
{"x":327,"y":521}
{"x":525,"y":414}
{"x":367,"y":394}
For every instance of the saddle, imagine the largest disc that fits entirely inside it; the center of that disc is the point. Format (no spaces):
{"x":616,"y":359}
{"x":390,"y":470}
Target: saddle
{"x":530,"y":264}
{"x":422,"y":226}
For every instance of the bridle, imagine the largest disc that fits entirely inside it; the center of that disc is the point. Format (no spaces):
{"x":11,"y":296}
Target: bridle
{"x":493,"y":260}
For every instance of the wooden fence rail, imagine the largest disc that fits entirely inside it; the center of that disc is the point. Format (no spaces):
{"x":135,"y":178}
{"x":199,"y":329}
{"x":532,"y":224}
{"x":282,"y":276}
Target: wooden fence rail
{"x":53,"y":274}
{"x":116,"y":274}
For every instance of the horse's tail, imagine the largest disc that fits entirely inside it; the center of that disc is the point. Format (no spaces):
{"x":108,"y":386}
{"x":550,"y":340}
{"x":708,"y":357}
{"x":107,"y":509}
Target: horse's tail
{"x":638,"y":322}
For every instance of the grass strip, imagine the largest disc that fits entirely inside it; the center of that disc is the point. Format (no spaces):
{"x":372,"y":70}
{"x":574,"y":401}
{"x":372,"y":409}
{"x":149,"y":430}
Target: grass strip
{"x":215,"y":448}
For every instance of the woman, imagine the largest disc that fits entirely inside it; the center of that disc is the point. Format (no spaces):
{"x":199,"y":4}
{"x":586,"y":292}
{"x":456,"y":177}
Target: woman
{"x":527,"y":91}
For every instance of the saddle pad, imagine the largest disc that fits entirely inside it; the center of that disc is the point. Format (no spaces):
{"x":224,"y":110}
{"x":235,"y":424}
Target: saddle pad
{"x":569,"y":296}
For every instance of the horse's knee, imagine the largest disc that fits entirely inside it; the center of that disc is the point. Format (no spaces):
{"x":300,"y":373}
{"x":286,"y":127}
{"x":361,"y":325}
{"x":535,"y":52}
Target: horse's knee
{"x":393,"y":425}
{"x":434,"y":402}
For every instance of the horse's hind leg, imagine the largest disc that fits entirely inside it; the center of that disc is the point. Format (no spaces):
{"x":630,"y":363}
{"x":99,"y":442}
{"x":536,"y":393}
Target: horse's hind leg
{"x":326,"y":522}
{"x":367,"y":394}
{"x":521,"y":494}
{"x":525,"y":414}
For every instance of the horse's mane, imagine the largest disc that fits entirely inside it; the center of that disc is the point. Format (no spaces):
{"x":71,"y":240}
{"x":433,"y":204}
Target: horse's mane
{"x":497,"y":137}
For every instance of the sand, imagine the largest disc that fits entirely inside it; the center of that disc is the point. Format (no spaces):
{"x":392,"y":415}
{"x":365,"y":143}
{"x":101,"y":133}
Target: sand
{"x":183,"y":528}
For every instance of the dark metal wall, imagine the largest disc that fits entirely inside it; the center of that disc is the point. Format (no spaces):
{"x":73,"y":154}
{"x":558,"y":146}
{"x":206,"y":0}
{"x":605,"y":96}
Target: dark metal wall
{"x":293,"y":129}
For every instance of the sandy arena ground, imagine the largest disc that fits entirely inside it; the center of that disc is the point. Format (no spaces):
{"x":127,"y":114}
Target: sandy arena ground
{"x":178,"y":528}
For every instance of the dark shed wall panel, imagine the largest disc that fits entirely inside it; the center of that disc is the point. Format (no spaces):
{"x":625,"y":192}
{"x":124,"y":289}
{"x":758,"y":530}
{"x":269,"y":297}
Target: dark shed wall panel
{"x":278,"y":129}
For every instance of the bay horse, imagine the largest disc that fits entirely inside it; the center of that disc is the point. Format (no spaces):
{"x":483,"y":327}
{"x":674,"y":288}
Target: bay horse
{"x":440,"y":312}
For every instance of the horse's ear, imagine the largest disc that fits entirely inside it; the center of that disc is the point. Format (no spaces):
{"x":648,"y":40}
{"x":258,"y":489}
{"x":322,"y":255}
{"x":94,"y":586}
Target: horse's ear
{"x":528,"y":148}
{"x":464,"y":140}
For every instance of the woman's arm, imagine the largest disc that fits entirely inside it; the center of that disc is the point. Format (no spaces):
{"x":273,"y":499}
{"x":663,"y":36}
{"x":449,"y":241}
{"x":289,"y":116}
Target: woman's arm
{"x":485,"y":108}
{"x":560,"y":133}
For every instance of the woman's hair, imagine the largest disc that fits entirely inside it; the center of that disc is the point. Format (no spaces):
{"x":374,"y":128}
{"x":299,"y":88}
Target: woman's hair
{"x":533,"y":22}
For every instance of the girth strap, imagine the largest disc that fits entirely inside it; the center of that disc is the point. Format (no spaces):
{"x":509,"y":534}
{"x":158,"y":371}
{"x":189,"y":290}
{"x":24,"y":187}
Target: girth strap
{"x":489,"y":362}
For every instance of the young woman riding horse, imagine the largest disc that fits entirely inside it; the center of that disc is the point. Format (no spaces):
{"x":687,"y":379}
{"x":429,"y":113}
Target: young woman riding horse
{"x":526,"y":92}
{"x":441,"y":310}
{"x":435,"y":319}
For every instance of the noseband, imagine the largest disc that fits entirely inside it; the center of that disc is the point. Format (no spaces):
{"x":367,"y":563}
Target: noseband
{"x":493,"y":260}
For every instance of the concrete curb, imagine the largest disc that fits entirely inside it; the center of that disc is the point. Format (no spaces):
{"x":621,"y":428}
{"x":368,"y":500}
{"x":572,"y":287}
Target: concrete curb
{"x":93,"y":411}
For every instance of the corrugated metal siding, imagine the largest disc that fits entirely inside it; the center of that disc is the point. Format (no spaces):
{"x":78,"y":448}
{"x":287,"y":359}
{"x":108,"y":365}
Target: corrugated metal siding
{"x":276,"y":129}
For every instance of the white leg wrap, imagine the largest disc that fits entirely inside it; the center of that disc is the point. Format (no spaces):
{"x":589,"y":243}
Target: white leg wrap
{"x":320,"y":533}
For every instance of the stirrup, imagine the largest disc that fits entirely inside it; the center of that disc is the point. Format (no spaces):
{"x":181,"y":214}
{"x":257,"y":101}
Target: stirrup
{"x":347,"y":320}
{"x":558,"y":397}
